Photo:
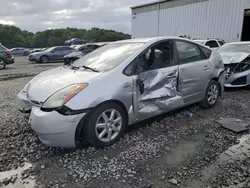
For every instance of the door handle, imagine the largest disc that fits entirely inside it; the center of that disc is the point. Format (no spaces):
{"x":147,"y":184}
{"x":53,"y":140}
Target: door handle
{"x":206,"y":67}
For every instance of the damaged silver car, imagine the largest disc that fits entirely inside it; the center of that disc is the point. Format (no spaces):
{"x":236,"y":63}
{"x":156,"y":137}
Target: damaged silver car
{"x":236,"y":59}
{"x":117,"y":85}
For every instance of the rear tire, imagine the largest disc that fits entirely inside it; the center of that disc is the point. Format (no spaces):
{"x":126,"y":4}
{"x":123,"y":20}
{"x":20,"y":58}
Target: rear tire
{"x":105,"y":125}
{"x":2,"y":64}
{"x":44,"y":59}
{"x":211,"y":95}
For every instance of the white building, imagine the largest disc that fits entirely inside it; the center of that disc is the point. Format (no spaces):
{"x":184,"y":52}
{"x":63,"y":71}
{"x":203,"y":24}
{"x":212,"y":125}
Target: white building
{"x":226,"y":19}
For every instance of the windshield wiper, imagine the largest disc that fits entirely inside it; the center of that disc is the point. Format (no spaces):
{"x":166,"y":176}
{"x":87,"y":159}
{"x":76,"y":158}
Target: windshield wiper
{"x":86,"y":67}
{"x":74,"y":67}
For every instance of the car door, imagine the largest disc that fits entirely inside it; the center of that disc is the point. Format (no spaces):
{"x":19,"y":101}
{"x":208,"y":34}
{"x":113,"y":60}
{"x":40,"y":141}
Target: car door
{"x":194,"y":71}
{"x":55,"y":53}
{"x":156,"y":82}
{"x":67,"y":50}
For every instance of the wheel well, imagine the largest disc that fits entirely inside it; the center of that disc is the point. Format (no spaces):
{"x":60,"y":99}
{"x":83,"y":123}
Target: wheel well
{"x":44,"y":56}
{"x":83,"y":120}
{"x":217,"y":80}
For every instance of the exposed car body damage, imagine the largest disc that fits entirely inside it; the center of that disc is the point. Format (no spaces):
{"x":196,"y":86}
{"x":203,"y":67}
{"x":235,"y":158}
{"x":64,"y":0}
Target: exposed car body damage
{"x":237,"y":69}
{"x":236,"y":59}
{"x":161,"y":92}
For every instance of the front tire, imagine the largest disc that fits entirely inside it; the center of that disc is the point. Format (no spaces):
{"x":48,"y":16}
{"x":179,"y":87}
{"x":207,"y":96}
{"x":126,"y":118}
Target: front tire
{"x":44,"y":59}
{"x":2,"y":64}
{"x":105,"y":125}
{"x":211,"y":95}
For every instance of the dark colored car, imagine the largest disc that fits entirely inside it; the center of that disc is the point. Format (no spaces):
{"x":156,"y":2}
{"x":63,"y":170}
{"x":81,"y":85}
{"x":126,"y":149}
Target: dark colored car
{"x":75,"y":41}
{"x":68,"y":59}
{"x":52,"y":54}
{"x":20,"y":51}
{"x":6,"y":57}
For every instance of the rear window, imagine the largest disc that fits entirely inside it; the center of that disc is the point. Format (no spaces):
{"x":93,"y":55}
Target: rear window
{"x":206,"y":51}
{"x":212,"y":44}
{"x":221,"y":42}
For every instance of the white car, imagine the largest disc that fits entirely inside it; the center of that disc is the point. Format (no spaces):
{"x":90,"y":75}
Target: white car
{"x":211,"y":43}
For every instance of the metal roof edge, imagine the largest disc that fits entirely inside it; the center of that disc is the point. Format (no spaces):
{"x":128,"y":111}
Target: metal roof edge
{"x":146,"y":4}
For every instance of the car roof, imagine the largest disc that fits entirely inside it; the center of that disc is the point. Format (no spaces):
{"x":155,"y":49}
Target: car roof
{"x":151,"y":39}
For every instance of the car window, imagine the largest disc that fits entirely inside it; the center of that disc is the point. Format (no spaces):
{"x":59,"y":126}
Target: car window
{"x":156,"y":57}
{"x":206,"y":51}
{"x":188,"y":52}
{"x":221,"y":42}
{"x":66,"y":48}
{"x":212,"y":44}
{"x":57,"y":49}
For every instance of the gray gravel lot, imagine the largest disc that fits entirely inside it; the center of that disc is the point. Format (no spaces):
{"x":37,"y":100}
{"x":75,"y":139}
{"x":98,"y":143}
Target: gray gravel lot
{"x":166,"y":151}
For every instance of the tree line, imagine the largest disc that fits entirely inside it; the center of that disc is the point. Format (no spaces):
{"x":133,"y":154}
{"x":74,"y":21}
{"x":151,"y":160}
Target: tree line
{"x":12,"y":36}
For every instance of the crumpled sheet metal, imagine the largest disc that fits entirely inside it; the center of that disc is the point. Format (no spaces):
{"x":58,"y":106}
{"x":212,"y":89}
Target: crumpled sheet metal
{"x":160,"y":92}
{"x":230,"y":58}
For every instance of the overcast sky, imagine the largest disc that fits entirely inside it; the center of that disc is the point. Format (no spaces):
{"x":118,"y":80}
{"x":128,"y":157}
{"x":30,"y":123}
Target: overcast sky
{"x":37,"y":15}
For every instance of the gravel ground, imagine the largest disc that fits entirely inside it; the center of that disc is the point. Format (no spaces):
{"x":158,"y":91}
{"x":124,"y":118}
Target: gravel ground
{"x":166,"y":151}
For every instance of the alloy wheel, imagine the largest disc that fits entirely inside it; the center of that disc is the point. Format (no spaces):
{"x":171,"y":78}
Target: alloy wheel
{"x":108,"y":125}
{"x":2,"y":64}
{"x":213,"y":93}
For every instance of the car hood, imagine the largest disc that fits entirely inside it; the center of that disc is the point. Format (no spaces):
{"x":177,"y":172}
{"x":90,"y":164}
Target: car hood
{"x":230,"y":58}
{"x":74,"y":54}
{"x":46,"y":83}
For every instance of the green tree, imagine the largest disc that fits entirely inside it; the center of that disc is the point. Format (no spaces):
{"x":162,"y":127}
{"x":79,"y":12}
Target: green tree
{"x":12,"y":36}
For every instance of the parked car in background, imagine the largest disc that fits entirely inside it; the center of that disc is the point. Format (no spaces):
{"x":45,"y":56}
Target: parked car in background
{"x":20,"y":51}
{"x":120,"y":84}
{"x":75,"y":41}
{"x":52,"y":54}
{"x":82,"y":50}
{"x":6,"y":57}
{"x":212,"y":43}
{"x":236,"y":59}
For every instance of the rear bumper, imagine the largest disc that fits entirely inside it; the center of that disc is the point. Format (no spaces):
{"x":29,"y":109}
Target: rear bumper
{"x":10,"y":60}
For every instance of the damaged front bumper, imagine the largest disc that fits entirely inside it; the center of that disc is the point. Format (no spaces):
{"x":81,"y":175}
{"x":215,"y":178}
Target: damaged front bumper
{"x":53,"y":129}
{"x":241,"y":79}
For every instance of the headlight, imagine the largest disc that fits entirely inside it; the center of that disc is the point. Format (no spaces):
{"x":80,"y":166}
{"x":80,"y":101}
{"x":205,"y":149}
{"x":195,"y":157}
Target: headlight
{"x":62,"y":96}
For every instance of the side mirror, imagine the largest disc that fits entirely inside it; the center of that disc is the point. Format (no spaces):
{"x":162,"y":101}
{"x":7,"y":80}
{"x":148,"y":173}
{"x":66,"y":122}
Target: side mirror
{"x":52,"y":51}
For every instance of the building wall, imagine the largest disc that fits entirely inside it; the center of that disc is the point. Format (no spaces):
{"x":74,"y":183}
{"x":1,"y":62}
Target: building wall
{"x":204,"y":19}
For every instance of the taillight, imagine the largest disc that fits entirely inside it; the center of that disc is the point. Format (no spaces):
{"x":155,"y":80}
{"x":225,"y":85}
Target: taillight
{"x":9,"y":53}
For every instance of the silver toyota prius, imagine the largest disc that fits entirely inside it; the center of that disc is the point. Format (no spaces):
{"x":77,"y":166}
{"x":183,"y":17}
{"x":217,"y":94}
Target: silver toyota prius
{"x":117,"y":85}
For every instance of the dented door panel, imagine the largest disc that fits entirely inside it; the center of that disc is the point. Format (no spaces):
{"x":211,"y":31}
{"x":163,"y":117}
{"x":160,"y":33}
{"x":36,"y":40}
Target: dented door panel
{"x":161,"y":92}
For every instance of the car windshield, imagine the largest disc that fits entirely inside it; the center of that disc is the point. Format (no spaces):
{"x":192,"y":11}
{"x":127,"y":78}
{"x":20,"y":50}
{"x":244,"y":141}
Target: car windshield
{"x":108,"y":57}
{"x":234,"y":48}
{"x":49,"y":49}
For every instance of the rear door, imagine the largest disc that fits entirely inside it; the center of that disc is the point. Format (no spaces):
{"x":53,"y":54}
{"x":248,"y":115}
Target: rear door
{"x":156,"y":82}
{"x":194,"y":71}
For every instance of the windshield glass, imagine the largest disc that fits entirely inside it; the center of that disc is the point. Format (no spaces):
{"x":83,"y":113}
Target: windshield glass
{"x":49,"y":49}
{"x":108,"y":57}
{"x":234,"y":48}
